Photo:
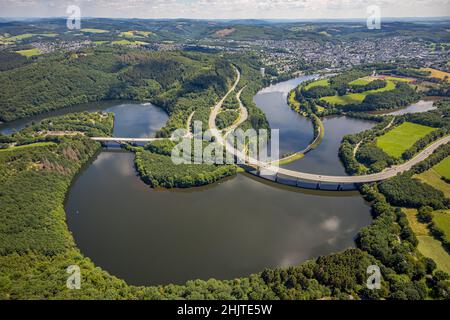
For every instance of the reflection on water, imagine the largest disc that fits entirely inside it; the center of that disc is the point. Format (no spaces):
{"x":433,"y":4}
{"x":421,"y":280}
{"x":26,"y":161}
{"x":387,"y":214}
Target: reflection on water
{"x":325,"y":159}
{"x":419,"y":107}
{"x":132,"y":120}
{"x":296,"y":132}
{"x":231,"y":229}
{"x":137,"y":120}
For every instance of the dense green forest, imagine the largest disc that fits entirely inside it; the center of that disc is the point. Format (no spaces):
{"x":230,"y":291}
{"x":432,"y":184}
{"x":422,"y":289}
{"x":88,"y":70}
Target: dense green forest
{"x":351,"y":91}
{"x":226,"y":119}
{"x":60,"y":81}
{"x":369,"y":158}
{"x":251,"y":82}
{"x":160,"y":171}
{"x":36,"y":246}
{"x":156,"y":168}
{"x":402,"y":191}
{"x":179,"y":82}
{"x":11,"y":60}
{"x":402,"y":96}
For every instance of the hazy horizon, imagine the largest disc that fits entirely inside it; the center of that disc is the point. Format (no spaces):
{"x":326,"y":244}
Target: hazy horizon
{"x":362,"y":19}
{"x":226,"y":9}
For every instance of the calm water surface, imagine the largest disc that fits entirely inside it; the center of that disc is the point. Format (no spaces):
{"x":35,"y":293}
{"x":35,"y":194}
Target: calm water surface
{"x":228,"y":230}
{"x":418,"y":107}
{"x":224,"y":231}
{"x":231,"y":229}
{"x":296,"y":132}
{"x":325,"y":159}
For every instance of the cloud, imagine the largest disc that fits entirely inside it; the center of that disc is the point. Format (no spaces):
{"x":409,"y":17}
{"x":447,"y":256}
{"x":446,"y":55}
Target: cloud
{"x":259,"y":9}
{"x":331,"y":224}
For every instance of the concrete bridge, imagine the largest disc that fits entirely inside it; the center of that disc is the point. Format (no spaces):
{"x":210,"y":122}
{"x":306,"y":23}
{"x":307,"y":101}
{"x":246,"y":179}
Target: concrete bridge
{"x":300,"y":179}
{"x":288,"y":177}
{"x":307,"y":180}
{"x":331,"y":183}
{"x":126,"y":140}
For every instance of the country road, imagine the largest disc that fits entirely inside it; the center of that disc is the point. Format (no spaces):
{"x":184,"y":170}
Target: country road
{"x":215,"y":111}
{"x":243,"y":116}
{"x":123,"y":140}
{"x":270,"y":169}
{"x":387,"y":174}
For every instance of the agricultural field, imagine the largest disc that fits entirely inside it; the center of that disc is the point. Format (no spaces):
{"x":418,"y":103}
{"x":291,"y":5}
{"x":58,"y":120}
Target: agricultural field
{"x":443,"y":168}
{"x":124,"y":42}
{"x":28,"y":36}
{"x":362,"y":81}
{"x":87,"y":30}
{"x":326,"y":34}
{"x":29,"y":53}
{"x":399,"y":79}
{"x":318,"y":83}
{"x":353,"y":98}
{"x":356,"y":98}
{"x":419,"y":228}
{"x":442,"y":220}
{"x":136,"y":34}
{"x":433,"y":249}
{"x":403,"y":137}
{"x":428,"y":246}
{"x":437,"y":74}
{"x":432,"y":178}
{"x":34,"y":145}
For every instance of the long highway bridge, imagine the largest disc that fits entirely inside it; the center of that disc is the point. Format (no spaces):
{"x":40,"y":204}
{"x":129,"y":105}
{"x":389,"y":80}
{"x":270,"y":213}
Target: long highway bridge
{"x":126,"y":140}
{"x":274,"y":173}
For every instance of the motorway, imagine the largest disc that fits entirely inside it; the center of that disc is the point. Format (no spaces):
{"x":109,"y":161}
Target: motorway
{"x":269,"y":170}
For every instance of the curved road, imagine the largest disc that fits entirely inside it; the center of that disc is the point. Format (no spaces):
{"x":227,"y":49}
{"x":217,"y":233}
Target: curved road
{"x":388,"y":173}
{"x":273,"y":170}
{"x":270,"y":169}
{"x":215,"y":111}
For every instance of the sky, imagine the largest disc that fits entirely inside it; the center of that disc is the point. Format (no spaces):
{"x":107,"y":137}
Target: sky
{"x":226,"y":9}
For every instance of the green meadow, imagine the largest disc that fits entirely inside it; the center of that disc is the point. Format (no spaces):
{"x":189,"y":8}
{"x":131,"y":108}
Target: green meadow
{"x":318,"y":83}
{"x":443,"y":168}
{"x":432,"y":178}
{"x":356,"y":98}
{"x":403,"y":137}
{"x":442,"y":220}
{"x":125,"y":42}
{"x":362,"y":81}
{"x":34,"y":145}
{"x":25,"y":36}
{"x":29,"y":53}
{"x":136,"y":34}
{"x":433,"y":249}
{"x":429,"y":246}
{"x":88,"y":30}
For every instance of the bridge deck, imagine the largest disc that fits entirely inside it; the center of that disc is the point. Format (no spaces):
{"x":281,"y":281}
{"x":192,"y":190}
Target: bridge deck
{"x":275,"y":173}
{"x":118,"y":139}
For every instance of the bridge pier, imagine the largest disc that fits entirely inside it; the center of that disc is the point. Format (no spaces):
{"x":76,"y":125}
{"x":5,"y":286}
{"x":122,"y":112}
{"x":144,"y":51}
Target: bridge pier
{"x":289,"y":181}
{"x":296,"y":182}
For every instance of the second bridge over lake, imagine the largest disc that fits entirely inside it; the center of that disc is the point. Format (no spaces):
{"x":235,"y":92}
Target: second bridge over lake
{"x":310,"y":180}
